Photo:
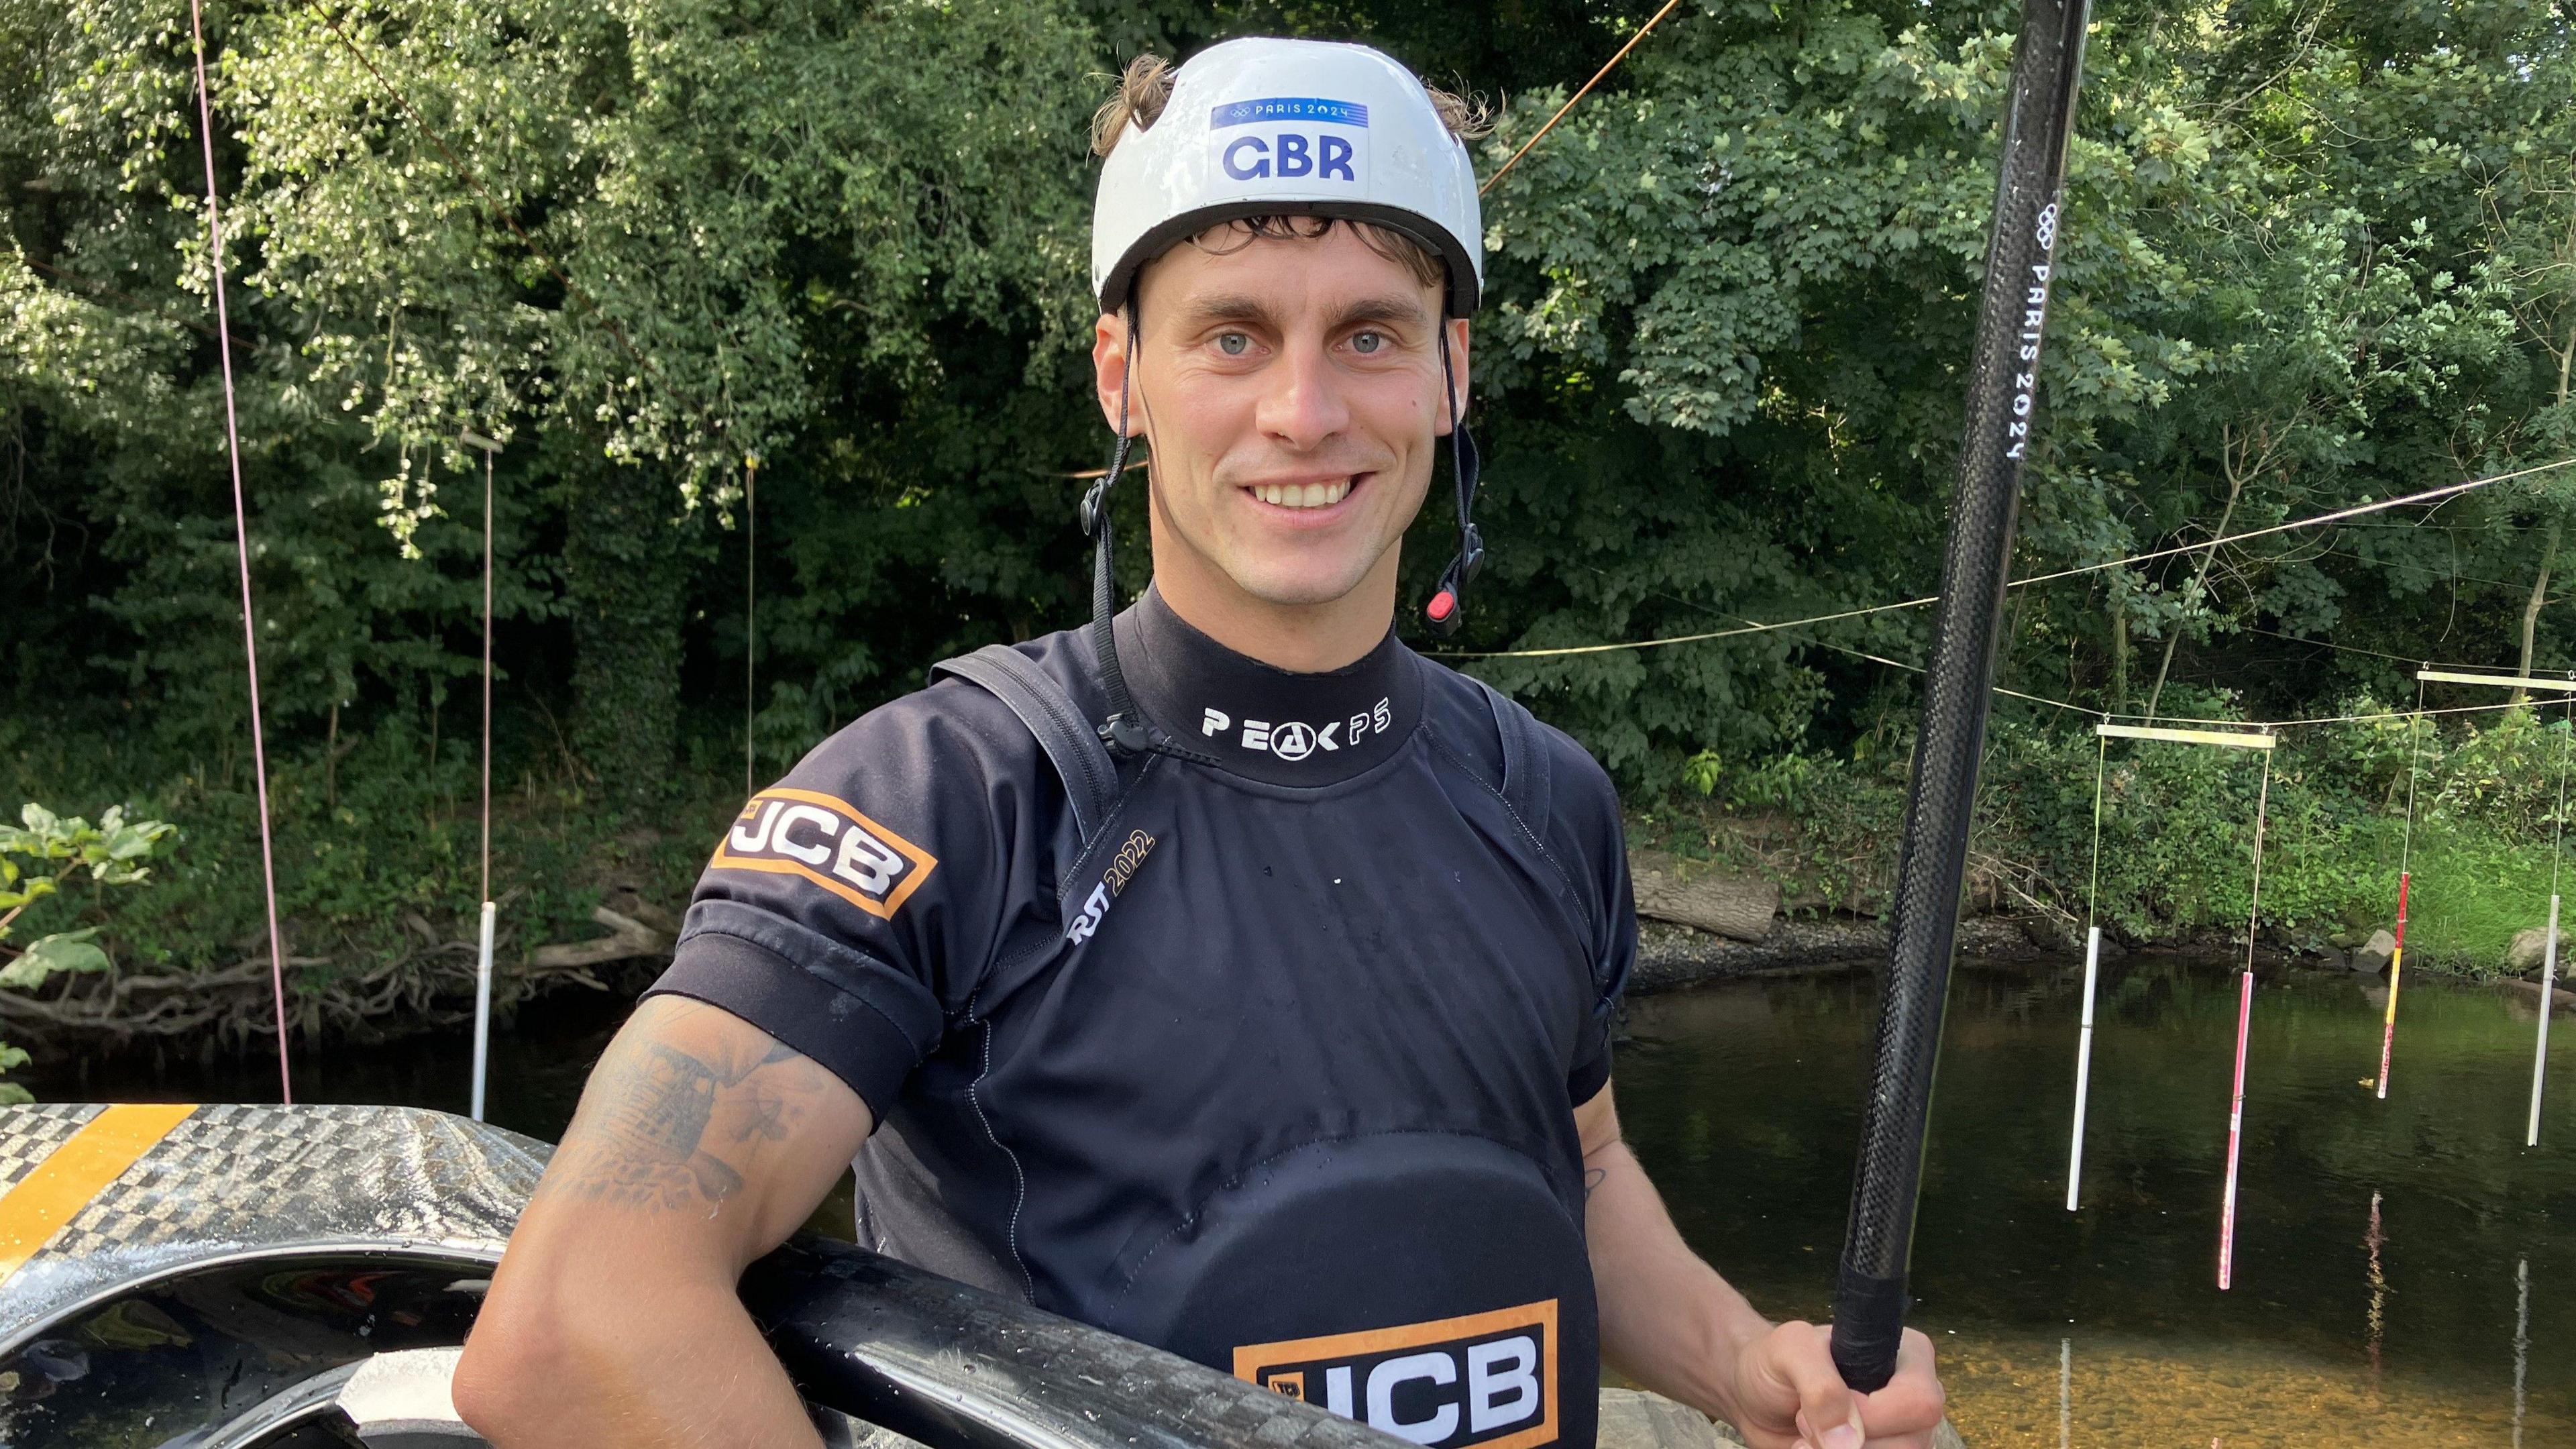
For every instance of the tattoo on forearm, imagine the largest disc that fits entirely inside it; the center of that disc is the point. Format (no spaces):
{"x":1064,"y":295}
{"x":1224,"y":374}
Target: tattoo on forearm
{"x":641,"y":1137}
{"x":1593,"y":1177}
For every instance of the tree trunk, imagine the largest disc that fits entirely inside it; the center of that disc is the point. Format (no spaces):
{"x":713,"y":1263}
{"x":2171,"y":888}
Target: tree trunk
{"x":2531,"y":609}
{"x":1667,"y":889}
{"x":2235,"y":490}
{"x":2119,"y":658}
{"x":622,"y":573}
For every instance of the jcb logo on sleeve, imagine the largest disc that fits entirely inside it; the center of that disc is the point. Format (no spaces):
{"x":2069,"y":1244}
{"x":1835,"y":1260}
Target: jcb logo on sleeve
{"x":1486,"y":1380}
{"x":827,"y":841}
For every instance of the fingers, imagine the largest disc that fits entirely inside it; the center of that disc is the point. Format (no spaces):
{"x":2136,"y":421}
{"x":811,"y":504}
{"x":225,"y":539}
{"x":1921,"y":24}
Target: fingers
{"x":1796,"y":1364}
{"x":1828,"y":1412}
{"x":1903,"y":1414}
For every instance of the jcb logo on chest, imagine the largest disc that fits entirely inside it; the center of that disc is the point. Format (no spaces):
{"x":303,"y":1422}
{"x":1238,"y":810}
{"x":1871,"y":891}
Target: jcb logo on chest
{"x":1482,"y":1381}
{"x":828,"y":842}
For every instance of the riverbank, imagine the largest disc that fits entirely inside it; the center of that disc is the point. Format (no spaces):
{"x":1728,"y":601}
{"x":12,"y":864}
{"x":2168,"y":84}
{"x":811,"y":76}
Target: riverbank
{"x":1785,"y":862}
{"x":1671,"y":957}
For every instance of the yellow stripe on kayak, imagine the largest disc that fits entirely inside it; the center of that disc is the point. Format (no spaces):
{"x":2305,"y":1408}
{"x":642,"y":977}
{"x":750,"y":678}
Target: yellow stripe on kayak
{"x":52,"y":1195}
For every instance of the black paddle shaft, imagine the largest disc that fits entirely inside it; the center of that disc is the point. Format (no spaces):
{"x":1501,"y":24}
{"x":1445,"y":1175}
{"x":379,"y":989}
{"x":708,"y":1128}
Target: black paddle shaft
{"x":1923,"y":918}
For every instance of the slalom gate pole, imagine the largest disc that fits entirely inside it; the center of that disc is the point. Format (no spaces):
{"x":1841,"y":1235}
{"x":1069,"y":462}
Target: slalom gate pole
{"x":2083,"y":1065}
{"x":2092,"y":964}
{"x":2405,"y":877}
{"x":2540,"y":1051}
{"x":482,"y":1007}
{"x":2396,"y":969}
{"x":2549,"y":949}
{"x":2235,"y":1133}
{"x":2244,"y":1030}
{"x":2003,"y":390}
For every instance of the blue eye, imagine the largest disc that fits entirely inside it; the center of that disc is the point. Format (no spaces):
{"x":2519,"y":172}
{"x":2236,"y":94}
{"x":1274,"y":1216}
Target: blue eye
{"x":1233,"y":344}
{"x":1369,"y":343}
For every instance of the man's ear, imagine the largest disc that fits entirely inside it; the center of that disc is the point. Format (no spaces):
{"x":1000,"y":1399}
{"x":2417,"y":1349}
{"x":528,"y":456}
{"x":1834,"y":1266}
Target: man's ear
{"x":1458,"y":375}
{"x":1110,"y":350}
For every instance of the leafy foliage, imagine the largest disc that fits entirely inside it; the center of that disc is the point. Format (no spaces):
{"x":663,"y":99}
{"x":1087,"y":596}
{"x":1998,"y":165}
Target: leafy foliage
{"x":2312,"y":257}
{"x":60,"y":852}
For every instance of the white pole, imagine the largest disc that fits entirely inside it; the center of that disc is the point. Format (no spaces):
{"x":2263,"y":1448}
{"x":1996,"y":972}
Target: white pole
{"x":2083,"y":1065}
{"x":2540,"y":1053}
{"x":482,"y":1006}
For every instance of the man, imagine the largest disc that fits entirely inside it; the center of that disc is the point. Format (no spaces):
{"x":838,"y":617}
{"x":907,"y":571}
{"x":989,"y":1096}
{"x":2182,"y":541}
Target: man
{"x":1225,"y":975}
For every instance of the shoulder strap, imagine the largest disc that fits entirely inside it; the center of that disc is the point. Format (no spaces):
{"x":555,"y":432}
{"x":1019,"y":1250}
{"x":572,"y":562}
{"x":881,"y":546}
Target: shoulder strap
{"x":1528,"y":785}
{"x":1090,"y":779}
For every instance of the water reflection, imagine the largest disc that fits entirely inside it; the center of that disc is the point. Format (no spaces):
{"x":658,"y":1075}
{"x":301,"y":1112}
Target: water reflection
{"x":2370,"y":1242}
{"x":1743,"y":1101}
{"x":2521,"y":1341}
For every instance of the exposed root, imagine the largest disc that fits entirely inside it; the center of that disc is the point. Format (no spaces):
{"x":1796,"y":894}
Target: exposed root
{"x":231,"y":1007}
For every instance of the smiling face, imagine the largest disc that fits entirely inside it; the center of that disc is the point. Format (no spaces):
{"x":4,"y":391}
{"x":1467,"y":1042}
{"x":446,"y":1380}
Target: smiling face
{"x":1290,"y":390}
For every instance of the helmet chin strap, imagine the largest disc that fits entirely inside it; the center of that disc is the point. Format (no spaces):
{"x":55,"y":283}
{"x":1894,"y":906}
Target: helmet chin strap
{"x":1447,"y":607}
{"x":1127,"y":732}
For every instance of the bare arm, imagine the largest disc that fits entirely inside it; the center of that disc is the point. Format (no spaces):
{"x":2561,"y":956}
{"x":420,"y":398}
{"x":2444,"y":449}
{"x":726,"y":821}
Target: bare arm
{"x":1671,"y":1323}
{"x":700,"y":1144}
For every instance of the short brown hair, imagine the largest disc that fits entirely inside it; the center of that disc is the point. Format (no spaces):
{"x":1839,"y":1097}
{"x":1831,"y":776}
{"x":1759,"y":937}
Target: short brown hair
{"x":1146,"y":87}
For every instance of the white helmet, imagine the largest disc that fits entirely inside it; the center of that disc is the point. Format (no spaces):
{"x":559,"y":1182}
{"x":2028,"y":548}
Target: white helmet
{"x":1267,"y":127}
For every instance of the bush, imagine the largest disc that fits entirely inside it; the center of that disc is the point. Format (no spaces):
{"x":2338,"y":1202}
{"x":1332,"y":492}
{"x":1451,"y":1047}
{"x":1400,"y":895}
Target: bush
{"x":59,"y":854}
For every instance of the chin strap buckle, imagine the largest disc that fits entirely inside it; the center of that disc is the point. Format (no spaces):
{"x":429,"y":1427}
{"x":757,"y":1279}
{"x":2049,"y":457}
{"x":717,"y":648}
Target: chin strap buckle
{"x":1125,"y":735}
{"x":1447,"y":608}
{"x":1091,"y":504}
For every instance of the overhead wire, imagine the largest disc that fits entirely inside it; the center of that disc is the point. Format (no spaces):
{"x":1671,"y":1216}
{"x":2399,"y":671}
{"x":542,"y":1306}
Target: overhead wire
{"x":2108,"y":715}
{"x":2428,"y":495}
{"x":241,"y":542}
{"x":1606,"y":68}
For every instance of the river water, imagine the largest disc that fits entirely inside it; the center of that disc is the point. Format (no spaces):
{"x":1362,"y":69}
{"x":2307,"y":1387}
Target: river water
{"x":2403,"y":1267}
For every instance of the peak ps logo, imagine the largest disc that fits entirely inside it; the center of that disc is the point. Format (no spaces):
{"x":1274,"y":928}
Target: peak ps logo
{"x":1293,"y":740}
{"x":828,"y":842}
{"x":1483,"y":1381}
{"x":1294,"y":138}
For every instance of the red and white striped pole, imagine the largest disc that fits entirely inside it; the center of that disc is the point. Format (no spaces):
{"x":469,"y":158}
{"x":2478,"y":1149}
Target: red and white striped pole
{"x":2235,"y":1134}
{"x":2396,"y":969}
